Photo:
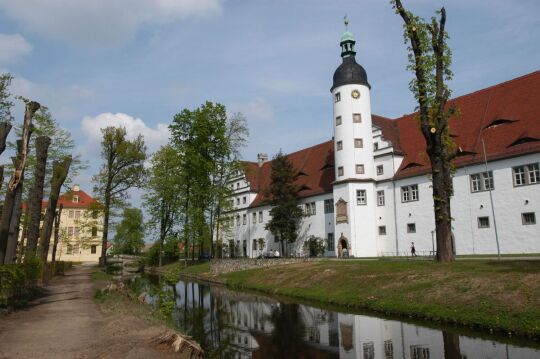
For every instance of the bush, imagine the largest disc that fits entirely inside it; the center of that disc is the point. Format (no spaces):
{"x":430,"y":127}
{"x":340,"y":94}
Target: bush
{"x":18,"y":281}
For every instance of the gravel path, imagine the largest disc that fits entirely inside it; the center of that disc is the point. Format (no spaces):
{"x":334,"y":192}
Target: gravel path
{"x":66,"y":323}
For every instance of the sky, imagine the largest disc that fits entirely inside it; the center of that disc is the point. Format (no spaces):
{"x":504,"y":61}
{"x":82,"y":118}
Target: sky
{"x":136,"y":63}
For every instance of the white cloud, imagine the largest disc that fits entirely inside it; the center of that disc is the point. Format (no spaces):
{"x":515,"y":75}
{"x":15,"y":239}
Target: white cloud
{"x":258,"y":110}
{"x":153,"y":137}
{"x":12,"y":48}
{"x":102,"y":23}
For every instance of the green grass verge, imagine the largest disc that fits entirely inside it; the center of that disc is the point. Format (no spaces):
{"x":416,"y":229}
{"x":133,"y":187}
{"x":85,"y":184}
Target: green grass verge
{"x":502,"y":296}
{"x":100,"y":275}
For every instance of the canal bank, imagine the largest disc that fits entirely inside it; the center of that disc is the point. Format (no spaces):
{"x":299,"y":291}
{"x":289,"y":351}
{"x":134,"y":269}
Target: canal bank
{"x":487,"y":295}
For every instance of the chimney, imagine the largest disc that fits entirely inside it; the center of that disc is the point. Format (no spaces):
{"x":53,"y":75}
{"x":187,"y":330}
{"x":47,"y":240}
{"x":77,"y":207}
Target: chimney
{"x":76,"y":188}
{"x":262,"y":158}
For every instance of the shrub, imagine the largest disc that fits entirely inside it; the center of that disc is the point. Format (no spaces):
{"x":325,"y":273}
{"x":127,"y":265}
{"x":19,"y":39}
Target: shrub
{"x":18,"y":281}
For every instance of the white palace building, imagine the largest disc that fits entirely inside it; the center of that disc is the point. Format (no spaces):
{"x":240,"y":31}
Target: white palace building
{"x":368,"y":188}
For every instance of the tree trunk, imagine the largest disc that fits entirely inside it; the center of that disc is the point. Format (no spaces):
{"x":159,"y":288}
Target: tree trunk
{"x":36,"y":194}
{"x":1,"y":176}
{"x":13,"y":236}
{"x":104,"y":238}
{"x":60,"y":172}
{"x":452,"y":349}
{"x":5,"y":128}
{"x":441,"y":201}
{"x":15,"y":181}
{"x":56,"y":232}
{"x":20,"y":257}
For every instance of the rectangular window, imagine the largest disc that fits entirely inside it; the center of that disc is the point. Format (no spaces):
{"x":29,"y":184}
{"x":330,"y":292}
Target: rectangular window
{"x":358,"y":143}
{"x":382,"y":230}
{"x":409,"y":193}
{"x":93,"y":249}
{"x":94,"y":214}
{"x":380,"y":198}
{"x":69,"y":249}
{"x":340,"y":171}
{"x":70,"y":231}
{"x":357,"y":118}
{"x":483,"y":222}
{"x":310,"y":209}
{"x":76,"y":248}
{"x":359,"y":169}
{"x":528,"y":218}
{"x":254,"y":245}
{"x":337,"y":97}
{"x":411,"y":227}
{"x":260,"y":217}
{"x":330,"y":242}
{"x":244,"y":219}
{"x":328,"y":206}
{"x":77,"y":214}
{"x":339,"y":145}
{"x":375,"y":146}
{"x":238,"y":201}
{"x":361,"y":197}
{"x":388,"y":349}
{"x":380,"y":170}
{"x":254,"y":218}
{"x":244,"y":200}
{"x":76,"y":232}
{"x":71,"y":214}
{"x":237,"y":220}
{"x":338,"y":120}
{"x":419,"y":352}
{"x":482,"y":182}
{"x":94,"y":231}
{"x":527,"y":174}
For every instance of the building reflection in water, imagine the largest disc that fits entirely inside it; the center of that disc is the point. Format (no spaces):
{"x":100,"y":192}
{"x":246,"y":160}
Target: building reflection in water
{"x":230,"y":324}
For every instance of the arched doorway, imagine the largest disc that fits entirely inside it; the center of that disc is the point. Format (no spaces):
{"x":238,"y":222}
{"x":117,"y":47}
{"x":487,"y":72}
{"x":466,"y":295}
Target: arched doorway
{"x":343,"y":247}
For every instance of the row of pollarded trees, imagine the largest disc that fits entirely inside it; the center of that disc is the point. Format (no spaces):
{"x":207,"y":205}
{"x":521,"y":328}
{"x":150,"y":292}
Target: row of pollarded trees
{"x":185,"y":191}
{"x":41,"y":154}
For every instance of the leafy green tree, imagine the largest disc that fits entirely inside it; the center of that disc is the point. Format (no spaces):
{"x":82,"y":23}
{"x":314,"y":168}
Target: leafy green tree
{"x":6,"y":104}
{"x":199,"y":138}
{"x":123,"y":168}
{"x":283,"y":197}
{"x":163,"y":198}
{"x":430,"y":59}
{"x":129,"y":237}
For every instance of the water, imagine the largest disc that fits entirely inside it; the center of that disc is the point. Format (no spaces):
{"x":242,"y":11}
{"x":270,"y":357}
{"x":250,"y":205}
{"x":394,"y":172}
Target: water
{"x":230,"y":324}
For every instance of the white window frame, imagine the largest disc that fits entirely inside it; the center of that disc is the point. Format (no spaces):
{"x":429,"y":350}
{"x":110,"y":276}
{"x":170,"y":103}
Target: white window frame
{"x":380,"y":198}
{"x":244,"y":219}
{"x":380,"y":170}
{"x":482,"y":181}
{"x":339,"y":145}
{"x":409,"y":193}
{"x":260,"y":217}
{"x":526,"y":174}
{"x":358,"y":143}
{"x":338,"y":120}
{"x":361,"y":197}
{"x":360,"y":170}
{"x":328,"y":206}
{"x":337,"y":97}
{"x":340,"y":171}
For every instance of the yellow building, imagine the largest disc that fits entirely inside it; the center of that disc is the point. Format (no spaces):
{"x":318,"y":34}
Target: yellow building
{"x":81,"y":227}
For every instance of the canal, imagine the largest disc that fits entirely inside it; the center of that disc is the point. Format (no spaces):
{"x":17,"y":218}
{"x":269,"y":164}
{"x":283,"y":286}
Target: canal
{"x":231,"y":324}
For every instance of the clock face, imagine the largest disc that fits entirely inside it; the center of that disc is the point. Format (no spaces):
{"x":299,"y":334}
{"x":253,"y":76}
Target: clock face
{"x":355,"y":94}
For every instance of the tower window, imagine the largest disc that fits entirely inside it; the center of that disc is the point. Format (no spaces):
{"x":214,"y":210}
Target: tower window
{"x":340,"y":171}
{"x":411,"y":227}
{"x":339,"y":145}
{"x":361,"y":197}
{"x":338,"y":120}
{"x":360,"y":169}
{"x":357,"y":118}
{"x":337,"y":97}
{"x":330,"y":242}
{"x":358,"y":143}
{"x":380,"y":169}
{"x":375,"y":146}
{"x":328,"y":206}
{"x":382,"y":230}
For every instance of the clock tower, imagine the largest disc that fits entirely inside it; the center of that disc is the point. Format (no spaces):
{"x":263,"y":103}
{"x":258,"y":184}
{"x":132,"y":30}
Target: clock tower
{"x":354,"y":186}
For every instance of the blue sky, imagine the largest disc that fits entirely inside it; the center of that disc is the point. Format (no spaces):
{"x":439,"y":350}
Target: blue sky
{"x":138,"y":62}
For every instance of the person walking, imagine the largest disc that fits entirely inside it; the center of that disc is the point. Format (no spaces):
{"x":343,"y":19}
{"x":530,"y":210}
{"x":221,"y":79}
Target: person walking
{"x":413,"y":250}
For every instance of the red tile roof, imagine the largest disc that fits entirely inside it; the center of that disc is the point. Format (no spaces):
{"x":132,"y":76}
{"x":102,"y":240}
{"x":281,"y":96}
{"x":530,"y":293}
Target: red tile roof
{"x":506,"y":116}
{"x":85,"y":200}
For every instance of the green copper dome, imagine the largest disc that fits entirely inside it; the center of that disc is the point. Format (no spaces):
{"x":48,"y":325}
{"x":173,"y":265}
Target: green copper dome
{"x":347,"y":36}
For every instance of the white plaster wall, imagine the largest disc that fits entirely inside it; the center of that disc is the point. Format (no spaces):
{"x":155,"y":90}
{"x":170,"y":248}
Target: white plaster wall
{"x":348,"y":131}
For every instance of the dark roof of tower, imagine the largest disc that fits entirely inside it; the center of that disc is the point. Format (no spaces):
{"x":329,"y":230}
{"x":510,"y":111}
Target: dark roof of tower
{"x":350,"y":72}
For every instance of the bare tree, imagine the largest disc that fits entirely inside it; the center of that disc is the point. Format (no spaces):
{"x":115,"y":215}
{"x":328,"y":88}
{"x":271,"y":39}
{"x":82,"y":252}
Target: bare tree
{"x":36,"y":194}
{"x":430,"y":59}
{"x":60,"y":172}
{"x":56,"y":232}
{"x":16,"y":178}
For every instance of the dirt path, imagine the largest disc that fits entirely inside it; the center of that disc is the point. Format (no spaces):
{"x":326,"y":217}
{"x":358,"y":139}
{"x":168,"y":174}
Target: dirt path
{"x":66,"y":323}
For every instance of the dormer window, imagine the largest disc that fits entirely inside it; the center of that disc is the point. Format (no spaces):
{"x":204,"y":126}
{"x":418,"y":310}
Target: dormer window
{"x":498,"y":122}
{"x":75,"y":199}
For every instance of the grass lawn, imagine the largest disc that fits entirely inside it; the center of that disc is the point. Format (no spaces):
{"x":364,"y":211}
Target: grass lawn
{"x":496,"y":295}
